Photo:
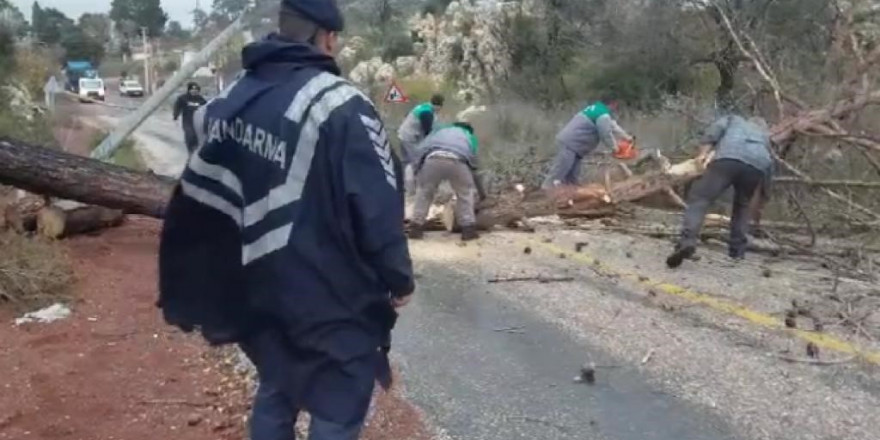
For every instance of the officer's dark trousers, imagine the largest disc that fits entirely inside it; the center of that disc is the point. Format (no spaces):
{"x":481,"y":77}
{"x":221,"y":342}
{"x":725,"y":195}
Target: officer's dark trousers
{"x":719,"y":176}
{"x":274,"y":410}
{"x":189,"y":136}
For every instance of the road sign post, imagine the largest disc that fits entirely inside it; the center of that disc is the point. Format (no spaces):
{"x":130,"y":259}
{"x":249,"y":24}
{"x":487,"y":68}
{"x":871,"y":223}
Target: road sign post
{"x":395,"y":94}
{"x":50,"y":90}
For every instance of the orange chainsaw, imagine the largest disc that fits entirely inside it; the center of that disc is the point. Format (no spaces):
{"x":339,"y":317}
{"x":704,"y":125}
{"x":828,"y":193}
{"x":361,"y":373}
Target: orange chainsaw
{"x":626,"y":149}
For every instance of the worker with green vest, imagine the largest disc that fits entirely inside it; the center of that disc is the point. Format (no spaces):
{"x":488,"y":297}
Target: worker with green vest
{"x":580,"y":137}
{"x":448,"y":154}
{"x":416,"y":127}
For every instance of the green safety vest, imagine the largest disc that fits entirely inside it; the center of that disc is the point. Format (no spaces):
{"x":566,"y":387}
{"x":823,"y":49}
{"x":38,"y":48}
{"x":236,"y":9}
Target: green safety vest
{"x":596,"y":111}
{"x":423,"y":107}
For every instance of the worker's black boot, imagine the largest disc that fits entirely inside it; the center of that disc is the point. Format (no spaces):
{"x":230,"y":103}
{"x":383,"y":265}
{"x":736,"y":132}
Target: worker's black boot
{"x":681,"y":253}
{"x":736,"y":254}
{"x":416,"y":231}
{"x":469,"y":233}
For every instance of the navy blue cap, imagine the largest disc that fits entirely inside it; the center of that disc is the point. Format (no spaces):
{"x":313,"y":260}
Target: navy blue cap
{"x":324,"y":13}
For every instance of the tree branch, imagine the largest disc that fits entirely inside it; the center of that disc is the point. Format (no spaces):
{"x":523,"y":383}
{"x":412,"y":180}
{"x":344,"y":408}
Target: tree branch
{"x":832,"y":194}
{"x":755,"y":59}
{"x":830,"y":183}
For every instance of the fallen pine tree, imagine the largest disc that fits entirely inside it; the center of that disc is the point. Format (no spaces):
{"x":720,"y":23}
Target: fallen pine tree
{"x":58,"y":174}
{"x":54,"y":173}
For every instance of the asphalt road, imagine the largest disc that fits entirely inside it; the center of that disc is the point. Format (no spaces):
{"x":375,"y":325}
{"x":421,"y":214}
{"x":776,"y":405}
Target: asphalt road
{"x":483,"y":367}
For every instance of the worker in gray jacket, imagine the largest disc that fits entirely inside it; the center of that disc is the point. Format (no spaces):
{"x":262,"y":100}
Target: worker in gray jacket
{"x":417,"y":125}
{"x":580,"y":137}
{"x":742,"y":160}
{"x":450,"y":154}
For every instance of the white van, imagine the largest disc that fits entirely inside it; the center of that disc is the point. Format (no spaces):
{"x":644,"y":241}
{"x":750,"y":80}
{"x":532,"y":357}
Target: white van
{"x":91,"y":89}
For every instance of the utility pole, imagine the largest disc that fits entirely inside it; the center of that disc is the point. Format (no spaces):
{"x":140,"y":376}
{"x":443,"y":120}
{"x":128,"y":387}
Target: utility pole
{"x":146,"y":51}
{"x":157,"y":62}
{"x":132,"y":120}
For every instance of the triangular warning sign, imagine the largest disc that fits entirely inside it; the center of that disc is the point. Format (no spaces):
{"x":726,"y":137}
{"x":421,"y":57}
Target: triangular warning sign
{"x":395,"y":94}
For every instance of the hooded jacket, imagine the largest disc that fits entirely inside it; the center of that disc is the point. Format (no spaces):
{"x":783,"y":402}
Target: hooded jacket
{"x":290,"y":213}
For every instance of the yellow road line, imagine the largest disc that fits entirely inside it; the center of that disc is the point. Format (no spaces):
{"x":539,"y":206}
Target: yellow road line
{"x":821,"y":340}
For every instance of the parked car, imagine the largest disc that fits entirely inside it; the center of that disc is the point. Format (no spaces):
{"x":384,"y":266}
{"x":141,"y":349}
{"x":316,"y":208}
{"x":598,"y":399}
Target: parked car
{"x":91,"y":89}
{"x":130,"y":87}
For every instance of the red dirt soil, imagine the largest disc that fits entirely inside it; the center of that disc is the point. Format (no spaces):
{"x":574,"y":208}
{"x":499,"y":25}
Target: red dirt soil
{"x":114,"y":370}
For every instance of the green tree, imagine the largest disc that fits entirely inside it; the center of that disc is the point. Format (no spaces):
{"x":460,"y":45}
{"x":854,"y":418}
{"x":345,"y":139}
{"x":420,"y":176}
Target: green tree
{"x":201,"y":20}
{"x":142,"y":13}
{"x":225,"y":11}
{"x":95,"y":26}
{"x":175,"y":31}
{"x":12,"y":19}
{"x":7,"y":51}
{"x":78,"y":45}
{"x":50,"y":25}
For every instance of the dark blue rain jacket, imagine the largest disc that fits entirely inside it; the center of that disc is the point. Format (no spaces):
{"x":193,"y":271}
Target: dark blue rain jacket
{"x":290,"y":215}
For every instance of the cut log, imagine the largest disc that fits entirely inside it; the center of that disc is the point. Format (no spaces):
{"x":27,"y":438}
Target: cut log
{"x":586,"y":201}
{"x":54,"y":222}
{"x":20,"y":214}
{"x":448,"y":217}
{"x":67,"y":176}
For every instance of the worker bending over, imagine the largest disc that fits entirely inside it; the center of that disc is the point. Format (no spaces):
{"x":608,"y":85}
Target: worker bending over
{"x":449,"y":154}
{"x":580,"y":137}
{"x":742,"y":160}
{"x":417,"y":125}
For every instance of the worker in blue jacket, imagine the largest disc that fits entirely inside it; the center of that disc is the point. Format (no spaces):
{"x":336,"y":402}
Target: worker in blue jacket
{"x":285,"y":233}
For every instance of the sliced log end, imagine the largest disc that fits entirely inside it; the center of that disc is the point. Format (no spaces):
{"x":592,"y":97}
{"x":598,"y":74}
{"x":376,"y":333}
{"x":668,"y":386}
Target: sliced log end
{"x":55,"y":223}
{"x":449,"y":217}
{"x":50,"y":222}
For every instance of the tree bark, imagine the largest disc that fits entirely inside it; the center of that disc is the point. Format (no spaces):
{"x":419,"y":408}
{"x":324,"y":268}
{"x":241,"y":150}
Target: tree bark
{"x":67,"y":176}
{"x":54,"y":222}
{"x":592,"y":200}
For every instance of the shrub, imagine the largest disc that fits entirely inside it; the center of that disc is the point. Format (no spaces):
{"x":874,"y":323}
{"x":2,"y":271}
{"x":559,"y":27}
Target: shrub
{"x":397,"y":45}
{"x":435,"y":7}
{"x":34,"y":272}
{"x":36,"y":130}
{"x":32,"y":68}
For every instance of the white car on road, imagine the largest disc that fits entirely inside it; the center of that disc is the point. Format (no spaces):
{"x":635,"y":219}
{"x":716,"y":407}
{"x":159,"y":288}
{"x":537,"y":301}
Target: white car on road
{"x":130,"y":87}
{"x":91,"y":89}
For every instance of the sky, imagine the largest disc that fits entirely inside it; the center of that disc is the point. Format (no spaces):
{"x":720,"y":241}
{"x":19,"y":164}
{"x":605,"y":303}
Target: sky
{"x":178,"y":10}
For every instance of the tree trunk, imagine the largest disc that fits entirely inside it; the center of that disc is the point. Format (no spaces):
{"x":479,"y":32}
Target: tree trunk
{"x":67,"y":176}
{"x":584,"y":201}
{"x":727,"y":63}
{"x":54,"y":222}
